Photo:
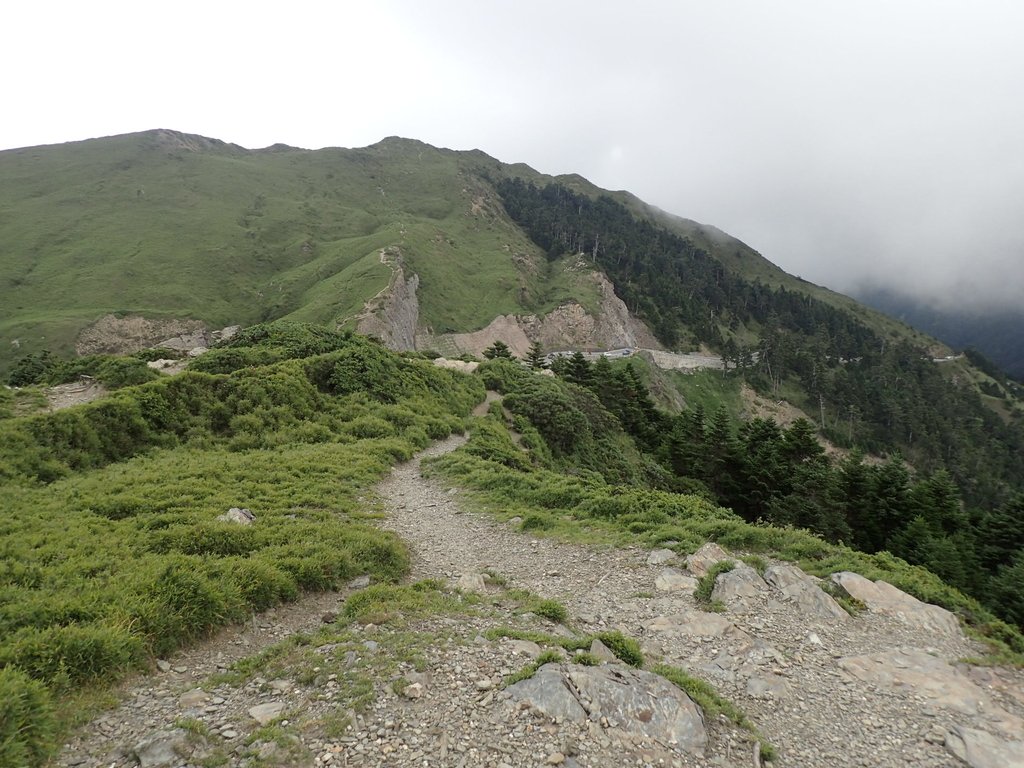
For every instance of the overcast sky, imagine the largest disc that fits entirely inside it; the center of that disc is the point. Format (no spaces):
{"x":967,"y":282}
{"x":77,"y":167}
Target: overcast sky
{"x":844,"y":140}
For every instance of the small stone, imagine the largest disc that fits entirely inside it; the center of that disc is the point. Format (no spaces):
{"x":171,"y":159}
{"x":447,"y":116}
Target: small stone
{"x":238,"y":516}
{"x":360,"y":582}
{"x":555,"y":758}
{"x":483,"y":684}
{"x":229,"y":734}
{"x":471,"y":582}
{"x":330,"y":617}
{"x":180,"y":669}
{"x":414,"y":691}
{"x":194,"y":698}
{"x":264,"y":714}
{"x":163,"y":666}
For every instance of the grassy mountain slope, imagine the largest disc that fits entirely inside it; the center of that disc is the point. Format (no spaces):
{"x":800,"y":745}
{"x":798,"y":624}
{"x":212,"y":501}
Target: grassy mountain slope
{"x":162,"y":223}
{"x":167,"y":224}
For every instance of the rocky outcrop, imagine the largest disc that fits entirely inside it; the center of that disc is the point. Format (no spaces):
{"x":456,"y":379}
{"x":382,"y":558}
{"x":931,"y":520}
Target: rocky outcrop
{"x":634,"y":705}
{"x":882,"y":597}
{"x":569,"y":326}
{"x":114,"y":335}
{"x":393,"y":315}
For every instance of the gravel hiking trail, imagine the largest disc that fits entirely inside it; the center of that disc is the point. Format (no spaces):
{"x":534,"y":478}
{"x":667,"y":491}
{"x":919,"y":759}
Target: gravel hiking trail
{"x":821,"y":689}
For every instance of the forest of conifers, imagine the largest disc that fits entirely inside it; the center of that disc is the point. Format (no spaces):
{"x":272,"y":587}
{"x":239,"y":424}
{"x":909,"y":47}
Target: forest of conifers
{"x":961,"y":514}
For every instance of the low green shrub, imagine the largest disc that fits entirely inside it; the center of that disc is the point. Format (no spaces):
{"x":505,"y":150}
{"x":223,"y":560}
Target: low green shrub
{"x":27,"y":723}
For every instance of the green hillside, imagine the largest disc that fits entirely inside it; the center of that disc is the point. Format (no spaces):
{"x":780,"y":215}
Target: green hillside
{"x":164,"y":224}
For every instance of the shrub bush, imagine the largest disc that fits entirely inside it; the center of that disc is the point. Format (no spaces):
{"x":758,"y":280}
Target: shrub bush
{"x":27,"y":727}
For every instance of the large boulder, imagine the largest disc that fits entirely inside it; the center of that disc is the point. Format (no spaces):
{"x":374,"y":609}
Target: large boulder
{"x":882,"y":597}
{"x":804,"y":593}
{"x":739,"y":585}
{"x":640,"y":705}
{"x":700,"y":562}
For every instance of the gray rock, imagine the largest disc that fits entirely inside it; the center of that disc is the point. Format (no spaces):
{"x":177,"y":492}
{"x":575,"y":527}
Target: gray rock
{"x":933,"y":679}
{"x":281,"y":685}
{"x":194,"y":698}
{"x":804,"y":593}
{"x":693,"y":624}
{"x":882,"y":597}
{"x":237,"y":515}
{"x":738,"y":585}
{"x":266,"y":713}
{"x":471,"y":582}
{"x":671,"y":580}
{"x":785,"y":577}
{"x":644,"y":706}
{"x":163,"y":749}
{"x":413,"y":691}
{"x":701,"y":561}
{"x":983,"y":750}
{"x":660,"y":557}
{"x":603,"y":652}
{"x":359,"y":582}
{"x":767,"y":686}
{"x":524,"y":648}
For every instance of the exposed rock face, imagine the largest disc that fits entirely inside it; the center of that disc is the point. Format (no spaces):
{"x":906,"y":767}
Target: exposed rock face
{"x":118,"y":335}
{"x":884,"y":598}
{"x":804,"y":592}
{"x":163,"y":749}
{"x":394,"y":315}
{"x":569,"y":326}
{"x":738,"y":584}
{"x":642,"y":705}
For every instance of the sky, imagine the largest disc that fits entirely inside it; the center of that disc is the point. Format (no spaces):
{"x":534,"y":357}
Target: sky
{"x":849,"y":142}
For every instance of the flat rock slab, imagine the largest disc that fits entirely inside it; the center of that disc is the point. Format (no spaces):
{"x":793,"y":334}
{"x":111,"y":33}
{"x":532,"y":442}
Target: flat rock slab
{"x":934,"y":679}
{"x":641,"y":705}
{"x":693,"y":624}
{"x":983,"y":750}
{"x":884,"y":598}
{"x":700,"y":562}
{"x":471,"y":582}
{"x":671,"y":580}
{"x":264,"y":714}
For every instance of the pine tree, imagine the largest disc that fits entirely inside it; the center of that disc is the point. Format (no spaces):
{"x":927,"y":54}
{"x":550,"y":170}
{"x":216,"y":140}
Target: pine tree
{"x":535,"y":356}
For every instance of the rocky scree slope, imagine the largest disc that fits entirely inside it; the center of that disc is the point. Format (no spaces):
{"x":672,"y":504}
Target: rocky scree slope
{"x":885,"y":687}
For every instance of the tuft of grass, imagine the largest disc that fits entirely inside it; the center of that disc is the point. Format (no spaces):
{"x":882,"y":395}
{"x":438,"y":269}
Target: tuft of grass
{"x":528,"y":671}
{"x":706,"y":583}
{"x":388,"y":603}
{"x":756,"y":562}
{"x":551,"y":610}
{"x":846,"y":601}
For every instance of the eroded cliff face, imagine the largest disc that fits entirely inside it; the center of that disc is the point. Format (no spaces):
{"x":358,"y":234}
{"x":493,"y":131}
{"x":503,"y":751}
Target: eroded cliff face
{"x":113,"y":335}
{"x":569,"y":326}
{"x":395,"y":315}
